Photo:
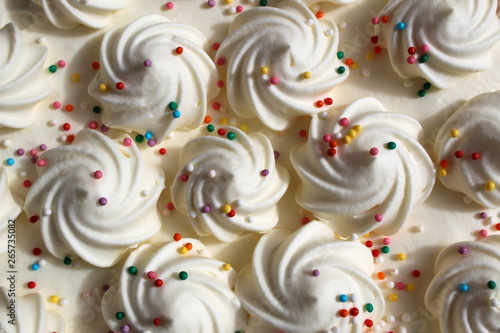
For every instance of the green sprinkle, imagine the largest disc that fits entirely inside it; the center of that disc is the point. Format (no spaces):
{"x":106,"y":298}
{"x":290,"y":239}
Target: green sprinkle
{"x":340,"y":55}
{"x":421,"y":93}
{"x":172,"y":106}
{"x":52,"y":68}
{"x":427,"y":85}
{"x":391,"y":145}
{"x":119,"y":315}
{"x":139,"y":138}
{"x":183,"y":275}
{"x":423,"y":58}
{"x":341,"y":70}
{"x":96,"y":109}
{"x":67,"y":261}
{"x":231,"y":135}
{"x":132,"y":270}
{"x":210,"y":128}
{"x":263,"y":2}
{"x":385,"y":249}
{"x":369,"y":307}
{"x":491,"y":284}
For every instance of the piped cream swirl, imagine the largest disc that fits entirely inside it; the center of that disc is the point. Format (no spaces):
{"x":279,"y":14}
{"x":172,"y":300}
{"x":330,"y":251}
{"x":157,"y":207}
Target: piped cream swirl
{"x":459,"y":35}
{"x":356,"y":191}
{"x":202,"y":300}
{"x":144,"y":57}
{"x":240,"y":174}
{"x":95,"y":218}
{"x":67,"y":14}
{"x":10,"y":209}
{"x":22,"y":81}
{"x":461,"y":295}
{"x":296,"y":281}
{"x":298,"y":55}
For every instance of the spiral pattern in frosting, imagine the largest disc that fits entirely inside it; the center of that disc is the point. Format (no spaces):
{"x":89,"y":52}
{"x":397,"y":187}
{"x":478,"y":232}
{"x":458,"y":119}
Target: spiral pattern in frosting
{"x":364,"y":169}
{"x":195,"y":293}
{"x":67,"y":14}
{"x":10,"y":208}
{"x":220,"y":176}
{"x":154,"y":77}
{"x":451,"y":38}
{"x":28,"y":315}
{"x":296,"y":282}
{"x":95,"y":198}
{"x":467,"y":148}
{"x":463,"y":294}
{"x":279,"y":62}
{"x":22,"y":82}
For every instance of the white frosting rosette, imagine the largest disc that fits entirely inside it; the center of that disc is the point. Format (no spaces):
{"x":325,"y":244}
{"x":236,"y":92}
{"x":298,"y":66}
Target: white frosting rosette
{"x":27,"y":313}
{"x":451,"y":38}
{"x":363,"y":169}
{"x":9,"y":208}
{"x":278,"y":62}
{"x":464,"y":294}
{"x":67,"y":14}
{"x":306,"y":281}
{"x":229,"y":184}
{"x":338,"y":2}
{"x":154,"y":77}
{"x":22,"y":81}
{"x":95,"y":198}
{"x":174,"y":288}
{"x":467,"y":147}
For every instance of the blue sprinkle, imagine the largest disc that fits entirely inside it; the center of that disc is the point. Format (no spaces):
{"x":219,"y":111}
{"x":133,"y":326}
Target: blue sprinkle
{"x":148,"y":135}
{"x":176,"y":114}
{"x":463,"y":287}
{"x":10,"y":161}
{"x":35,"y":267}
{"x":400,"y":26}
{"x":343,"y":298}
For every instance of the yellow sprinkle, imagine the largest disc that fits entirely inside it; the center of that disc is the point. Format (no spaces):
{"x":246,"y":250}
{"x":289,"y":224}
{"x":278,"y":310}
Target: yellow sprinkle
{"x":226,"y":267}
{"x":352,"y":133}
{"x":103,"y":88}
{"x":229,"y":1}
{"x":347,"y":139}
{"x":401,"y":256}
{"x":54,"y":299}
{"x":369,"y":56}
{"x":454,"y":133}
{"x":76,"y":77}
{"x":443,"y":172}
{"x":354,"y":65}
{"x":183,"y":250}
{"x":357,"y":128}
{"x":490,"y":186}
{"x":264,"y":70}
{"x":393,"y":297}
{"x":366,"y":235}
{"x":307,"y":75}
{"x":411,"y":286}
{"x":227,"y":209}
{"x":244,"y":127}
{"x":224,"y":121}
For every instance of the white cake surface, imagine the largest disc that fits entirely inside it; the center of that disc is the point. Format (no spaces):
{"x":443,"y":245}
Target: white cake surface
{"x":445,"y":217}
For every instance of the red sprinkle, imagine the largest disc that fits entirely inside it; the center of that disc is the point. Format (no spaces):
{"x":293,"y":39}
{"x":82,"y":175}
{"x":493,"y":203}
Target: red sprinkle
{"x":66,"y":126}
{"x":158,"y":283}
{"x":221,"y":131}
{"x":120,"y":85}
{"x":96,"y":65}
{"x":177,"y":237}
{"x":27,"y":183}
{"x":459,"y":154}
{"x":443,"y":164}
{"x":415,"y":273}
{"x":354,"y":312}
{"x":157,"y":321}
{"x":34,"y":219}
{"x":377,"y":49}
{"x":179,"y":50}
{"x":31,"y":284}
{"x":36,"y":251}
{"x":375,"y":253}
{"x":475,"y":156}
{"x":69,"y":107}
{"x":305,"y":220}
{"x":162,"y":151}
{"x":374,"y":39}
{"x":369,"y":243}
{"x":368,"y":322}
{"x":328,"y":101}
{"x":170,"y":206}
{"x":302,"y":133}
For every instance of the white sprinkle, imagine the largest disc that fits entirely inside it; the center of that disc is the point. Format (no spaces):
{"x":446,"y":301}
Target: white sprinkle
{"x":63,"y":138}
{"x":390,"y":319}
{"x":203,"y":252}
{"x":83,"y":106}
{"x":495,"y":303}
{"x":96,"y":291}
{"x":467,"y":200}
{"x":354,"y":237}
{"x":402,"y":329}
{"x":171,"y":135}
{"x":238,"y":203}
{"x":366,"y":72}
{"x":379,"y":260}
{"x":316,"y":7}
{"x":166,"y":212}
{"x":353,"y":298}
{"x":144,"y":193}
{"x":335,"y":329}
{"x":323,"y":115}
{"x":233,"y":121}
{"x":490,"y":220}
{"x":394,"y":271}
{"x":42,"y":40}
{"x":343,"y":25}
{"x":86,"y":294}
{"x":77,"y":263}
{"x":390,"y":284}
{"x":212,"y":174}
{"x":408,"y":84}
{"x":250,"y":219}
{"x":309,"y":22}
{"x":381,"y":323}
{"x":47,"y":212}
{"x":53,"y":122}
{"x":42,"y":262}
{"x":355,"y":320}
{"x":420,"y":228}
{"x":337,"y":136}
{"x":6,"y":143}
{"x":190,"y":168}
{"x":63,"y":302}
{"x":406,"y":318}
{"x":376,"y":328}
{"x":232,"y":10}
{"x":23,"y":174}
{"x":192,"y":214}
{"x":329,"y":32}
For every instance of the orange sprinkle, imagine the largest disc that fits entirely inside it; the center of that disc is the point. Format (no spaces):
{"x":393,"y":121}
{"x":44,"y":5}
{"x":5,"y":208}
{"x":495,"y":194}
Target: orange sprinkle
{"x":349,"y":61}
{"x":319,"y":15}
{"x":189,"y":246}
{"x":177,"y":237}
{"x":381,"y":275}
{"x":207,"y":119}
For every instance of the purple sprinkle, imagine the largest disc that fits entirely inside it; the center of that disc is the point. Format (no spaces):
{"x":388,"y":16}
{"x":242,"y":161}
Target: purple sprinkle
{"x":462,"y":249}
{"x":316,"y":272}
{"x":264,"y":172}
{"x":483,"y":215}
{"x":105,"y":287}
{"x":125,"y":328}
{"x":43,"y":147}
{"x":206,"y":209}
{"x":20,"y":152}
{"x":151,"y":142}
{"x":103,"y":201}
{"x":276,"y":154}
{"x":104,"y":128}
{"x":34,"y":159}
{"x":211,"y":3}
{"x":147,"y":63}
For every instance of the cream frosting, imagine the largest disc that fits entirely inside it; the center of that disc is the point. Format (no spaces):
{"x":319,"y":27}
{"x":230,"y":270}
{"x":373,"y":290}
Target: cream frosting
{"x":461,"y":294}
{"x":472,"y":129}
{"x":162,"y":90}
{"x":365,"y":185}
{"x":458,"y":36}
{"x":96,"y":217}
{"x":217,"y":171}
{"x":284,"y":43}
{"x":10,"y":208}
{"x":296,"y":282}
{"x":30,"y":314}
{"x":338,"y":2}
{"x":202,"y":300}
{"x":67,"y":14}
{"x":22,"y":81}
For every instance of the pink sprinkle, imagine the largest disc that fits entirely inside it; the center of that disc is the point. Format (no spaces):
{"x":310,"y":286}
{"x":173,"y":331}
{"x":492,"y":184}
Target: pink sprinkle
{"x":33,"y":152}
{"x":483,"y":233}
{"x":411,"y":60}
{"x":274,"y":80}
{"x":61,"y":63}
{"x":374,"y":151}
{"x":386,"y":241}
{"x":104,"y":128}
{"x":169,"y":5}
{"x":216,"y":105}
{"x":56,"y":105}
{"x":327,"y":138}
{"x":400,"y":285}
{"x":40,"y":163}
{"x":215,"y":46}
{"x":425,"y":48}
{"x":221,"y":61}
{"x":151,"y":275}
{"x":127,"y":142}
{"x":239,"y":9}
{"x":344,"y":121}
{"x":220,"y":84}
{"x":375,"y":20}
{"x":148,"y":63}
{"x":93,"y":125}
{"x":98,"y":174}
{"x":211,"y":3}
{"x":378,"y":217}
